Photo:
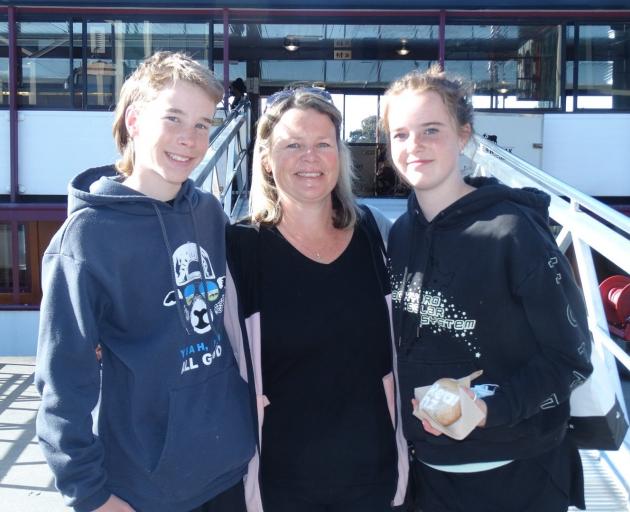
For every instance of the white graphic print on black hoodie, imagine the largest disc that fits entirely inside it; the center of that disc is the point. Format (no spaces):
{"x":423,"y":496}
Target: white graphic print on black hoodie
{"x":484,"y":286}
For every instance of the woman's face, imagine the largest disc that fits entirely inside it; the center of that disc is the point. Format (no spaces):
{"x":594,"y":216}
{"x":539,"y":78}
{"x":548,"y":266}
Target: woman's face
{"x":304,"y":157}
{"x":425,"y":141}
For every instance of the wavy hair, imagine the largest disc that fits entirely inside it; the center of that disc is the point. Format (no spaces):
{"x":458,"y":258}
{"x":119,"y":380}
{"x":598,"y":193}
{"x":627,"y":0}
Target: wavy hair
{"x":264,"y":201}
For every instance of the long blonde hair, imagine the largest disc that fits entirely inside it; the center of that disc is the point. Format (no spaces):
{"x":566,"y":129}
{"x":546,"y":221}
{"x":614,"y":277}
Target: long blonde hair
{"x":265,"y":206}
{"x":156,"y":73}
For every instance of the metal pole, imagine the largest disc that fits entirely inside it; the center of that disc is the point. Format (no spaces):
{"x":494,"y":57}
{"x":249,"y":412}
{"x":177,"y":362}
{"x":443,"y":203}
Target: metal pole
{"x":13,"y":107}
{"x":442,"y":39}
{"x":226,"y":59}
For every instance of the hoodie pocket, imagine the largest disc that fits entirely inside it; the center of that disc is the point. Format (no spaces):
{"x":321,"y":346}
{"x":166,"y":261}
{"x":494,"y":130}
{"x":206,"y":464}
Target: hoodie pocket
{"x":209,"y":434}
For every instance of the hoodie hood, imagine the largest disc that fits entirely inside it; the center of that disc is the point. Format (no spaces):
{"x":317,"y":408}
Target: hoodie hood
{"x":488,"y":192}
{"x":103,"y":186}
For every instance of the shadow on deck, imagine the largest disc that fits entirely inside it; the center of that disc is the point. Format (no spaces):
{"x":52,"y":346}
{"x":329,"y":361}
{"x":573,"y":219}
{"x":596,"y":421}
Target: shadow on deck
{"x":26,"y":483}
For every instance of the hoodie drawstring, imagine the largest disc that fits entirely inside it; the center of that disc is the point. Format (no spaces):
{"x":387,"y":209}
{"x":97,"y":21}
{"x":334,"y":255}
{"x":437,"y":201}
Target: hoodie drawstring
{"x":203,"y":277}
{"x":406,"y":342}
{"x":178,"y":300}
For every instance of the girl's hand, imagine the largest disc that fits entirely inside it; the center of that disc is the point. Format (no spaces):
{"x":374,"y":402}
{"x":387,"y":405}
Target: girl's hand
{"x":425,"y":424}
{"x":478,"y":401}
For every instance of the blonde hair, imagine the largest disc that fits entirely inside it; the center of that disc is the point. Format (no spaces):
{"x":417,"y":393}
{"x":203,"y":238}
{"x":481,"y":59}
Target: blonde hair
{"x":264,"y":201}
{"x":156,"y":73}
{"x":455,"y":94}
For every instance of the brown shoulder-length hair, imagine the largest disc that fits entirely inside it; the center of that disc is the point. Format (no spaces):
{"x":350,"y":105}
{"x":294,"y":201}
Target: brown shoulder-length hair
{"x":156,"y":73}
{"x":265,"y":206}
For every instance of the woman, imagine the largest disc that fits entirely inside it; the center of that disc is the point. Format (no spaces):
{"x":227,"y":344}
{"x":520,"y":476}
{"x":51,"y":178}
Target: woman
{"x":310,"y":270}
{"x":480,"y":284}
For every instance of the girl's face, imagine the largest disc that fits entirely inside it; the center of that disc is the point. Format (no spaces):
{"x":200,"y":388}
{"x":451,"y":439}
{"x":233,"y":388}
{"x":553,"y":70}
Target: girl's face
{"x":170,"y":135}
{"x":304,"y":156}
{"x":425,"y":141}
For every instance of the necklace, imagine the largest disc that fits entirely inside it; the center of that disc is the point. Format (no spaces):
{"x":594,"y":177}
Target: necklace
{"x":314,"y":249}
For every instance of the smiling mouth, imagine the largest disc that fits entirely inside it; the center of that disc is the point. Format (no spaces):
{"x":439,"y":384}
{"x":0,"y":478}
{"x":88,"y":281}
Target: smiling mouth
{"x":178,"y":158}
{"x":305,"y":174}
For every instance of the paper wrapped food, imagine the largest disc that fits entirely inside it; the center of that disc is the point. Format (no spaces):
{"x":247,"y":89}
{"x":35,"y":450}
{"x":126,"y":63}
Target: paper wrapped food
{"x":447,"y":407}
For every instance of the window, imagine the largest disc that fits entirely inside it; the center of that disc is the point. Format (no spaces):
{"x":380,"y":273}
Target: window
{"x":511,"y":66}
{"x":115,"y":48}
{"x":4,"y":63}
{"x":361,"y":118}
{"x":56,"y":70}
{"x":6,"y":258}
{"x":44,"y":63}
{"x":603,"y":54}
{"x":33,"y":238}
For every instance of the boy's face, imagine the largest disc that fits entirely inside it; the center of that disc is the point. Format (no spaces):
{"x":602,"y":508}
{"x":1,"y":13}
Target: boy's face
{"x":170,"y":135}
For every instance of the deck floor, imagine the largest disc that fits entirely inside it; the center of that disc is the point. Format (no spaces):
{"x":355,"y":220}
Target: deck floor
{"x":26,"y":484}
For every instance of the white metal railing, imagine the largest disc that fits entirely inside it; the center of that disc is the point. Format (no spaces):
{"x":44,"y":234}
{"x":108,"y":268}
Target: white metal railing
{"x":586,"y":224}
{"x":224,"y":170}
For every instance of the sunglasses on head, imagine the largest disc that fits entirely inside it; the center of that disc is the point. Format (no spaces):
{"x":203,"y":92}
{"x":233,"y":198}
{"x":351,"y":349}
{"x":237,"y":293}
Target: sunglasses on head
{"x":282,"y":95}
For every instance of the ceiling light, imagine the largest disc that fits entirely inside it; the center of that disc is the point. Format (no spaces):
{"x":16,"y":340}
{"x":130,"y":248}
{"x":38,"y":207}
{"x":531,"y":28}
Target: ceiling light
{"x":403,"y":50}
{"x":290,"y":44}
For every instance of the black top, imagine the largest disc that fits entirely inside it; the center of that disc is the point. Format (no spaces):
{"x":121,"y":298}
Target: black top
{"x":483,"y":286}
{"x":325,"y":350}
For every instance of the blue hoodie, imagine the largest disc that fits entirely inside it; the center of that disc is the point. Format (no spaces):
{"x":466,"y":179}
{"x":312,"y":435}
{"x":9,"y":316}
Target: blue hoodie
{"x":173,"y":427}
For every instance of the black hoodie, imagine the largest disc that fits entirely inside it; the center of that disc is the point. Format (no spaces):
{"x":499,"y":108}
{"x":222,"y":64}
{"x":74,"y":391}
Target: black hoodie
{"x":484,"y":286}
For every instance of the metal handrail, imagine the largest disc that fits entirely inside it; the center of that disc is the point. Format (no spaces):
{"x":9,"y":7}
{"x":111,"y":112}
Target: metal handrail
{"x":556,"y":186}
{"x":611,"y":238}
{"x":226,"y":160}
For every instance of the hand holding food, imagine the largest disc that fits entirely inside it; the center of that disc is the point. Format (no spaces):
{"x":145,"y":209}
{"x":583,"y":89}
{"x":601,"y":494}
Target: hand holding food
{"x":442,"y":402}
{"x":450,"y":407}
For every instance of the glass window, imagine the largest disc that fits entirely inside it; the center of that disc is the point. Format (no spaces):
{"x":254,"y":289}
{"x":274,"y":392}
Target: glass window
{"x":237,"y":70}
{"x":44,"y":57}
{"x":511,"y":66}
{"x":603,"y":60}
{"x":365,"y":74}
{"x":4,"y":63}
{"x":115,"y":48}
{"x":55,"y":71}
{"x":365,"y":56}
{"x":6,"y":259}
{"x":361,"y":118}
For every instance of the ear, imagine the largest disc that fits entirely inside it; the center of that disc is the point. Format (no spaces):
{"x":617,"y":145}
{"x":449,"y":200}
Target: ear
{"x":264,"y":162}
{"x":132,"y":120}
{"x":464,"y":135}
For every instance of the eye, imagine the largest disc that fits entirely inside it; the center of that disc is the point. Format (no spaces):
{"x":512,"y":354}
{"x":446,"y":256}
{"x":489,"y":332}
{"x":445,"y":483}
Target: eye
{"x":293,"y":145}
{"x":431,"y":131}
{"x":399,"y":136}
{"x":324,"y":145}
{"x":172,"y":119}
{"x":202,"y":126}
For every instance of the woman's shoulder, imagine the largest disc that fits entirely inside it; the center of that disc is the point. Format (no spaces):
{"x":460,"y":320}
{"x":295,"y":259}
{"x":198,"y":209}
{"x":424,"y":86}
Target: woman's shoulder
{"x":242,"y":242}
{"x":244,"y":231}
